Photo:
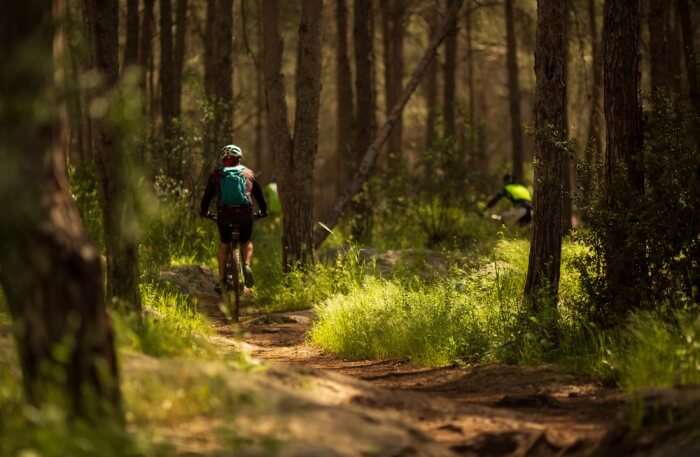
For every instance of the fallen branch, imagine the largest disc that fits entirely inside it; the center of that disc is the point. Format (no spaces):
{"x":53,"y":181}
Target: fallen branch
{"x":370,"y":157}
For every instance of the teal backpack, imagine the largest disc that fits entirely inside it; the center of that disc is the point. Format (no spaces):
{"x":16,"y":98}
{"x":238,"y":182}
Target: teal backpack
{"x":233,"y":187}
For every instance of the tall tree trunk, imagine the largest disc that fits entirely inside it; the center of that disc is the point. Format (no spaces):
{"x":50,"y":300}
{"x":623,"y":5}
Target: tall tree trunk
{"x":542,"y":283}
{"x":514,"y":92}
{"x":450,"y":72}
{"x":118,"y":210}
{"x":568,"y":159}
{"x":659,"y":18}
{"x":179,"y":54}
{"x":295,"y":154}
{"x":365,"y":117}
{"x":49,"y":270}
{"x":431,"y":85}
{"x":260,"y":100}
{"x":691,"y":62}
{"x":471,"y":87}
{"x":167,"y":76}
{"x":218,"y":76}
{"x":594,"y":146}
{"x":393,"y":12}
{"x":369,"y":159}
{"x":346,"y":111}
{"x":146,"y":49}
{"x":624,"y":176}
{"x":131,"y":48}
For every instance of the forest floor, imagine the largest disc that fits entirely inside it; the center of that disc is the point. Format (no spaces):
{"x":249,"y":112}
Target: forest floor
{"x":484,"y":409}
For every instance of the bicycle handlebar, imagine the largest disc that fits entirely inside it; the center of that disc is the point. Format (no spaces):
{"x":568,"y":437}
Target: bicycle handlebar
{"x":215,"y":217}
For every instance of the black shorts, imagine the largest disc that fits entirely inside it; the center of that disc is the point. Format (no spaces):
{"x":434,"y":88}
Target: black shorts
{"x":235,"y":219}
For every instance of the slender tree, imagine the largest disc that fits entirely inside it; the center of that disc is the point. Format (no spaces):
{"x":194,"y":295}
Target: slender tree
{"x":450,"y":79}
{"x":364,"y":120}
{"x":146,"y":48}
{"x":514,"y":91}
{"x":393,"y":13}
{"x":131,"y":48}
{"x":431,"y":84}
{"x":179,"y":54}
{"x":624,"y":176}
{"x":659,"y":18}
{"x":118,"y":210}
{"x":594,"y":146}
{"x":687,"y":30}
{"x":295,"y":153}
{"x":167,"y":75}
{"x":366,"y":166}
{"x":49,"y":270}
{"x":346,"y":111}
{"x":542,"y":283}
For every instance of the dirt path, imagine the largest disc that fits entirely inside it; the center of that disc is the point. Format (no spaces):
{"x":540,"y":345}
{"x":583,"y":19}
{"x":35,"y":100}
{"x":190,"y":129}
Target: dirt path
{"x":490,"y":409}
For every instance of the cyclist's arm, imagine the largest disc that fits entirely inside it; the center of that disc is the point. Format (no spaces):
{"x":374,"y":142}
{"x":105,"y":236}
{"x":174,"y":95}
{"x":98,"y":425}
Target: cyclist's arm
{"x":496,"y":198}
{"x":259,"y":197}
{"x":209,"y":193}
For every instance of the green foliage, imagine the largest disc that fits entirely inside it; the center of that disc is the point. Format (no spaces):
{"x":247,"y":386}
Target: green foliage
{"x":471,"y":314}
{"x":662,"y":220}
{"x":170,"y":326}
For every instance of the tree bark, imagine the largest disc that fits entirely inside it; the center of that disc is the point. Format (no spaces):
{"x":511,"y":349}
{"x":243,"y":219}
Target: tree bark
{"x":431,"y":86}
{"x":691,"y":62}
{"x":119,"y":215}
{"x":179,"y":54}
{"x":393,"y":12}
{"x":131,"y":48}
{"x":146,"y":47}
{"x":542,"y":283}
{"x":450,"y":72}
{"x":659,"y":47}
{"x":167,"y":76}
{"x":594,"y":146}
{"x":471,"y":87}
{"x":295,"y":154}
{"x":365,"y":117}
{"x":370,"y":157}
{"x":514,"y":92}
{"x":624,"y":176}
{"x":346,"y":111}
{"x":49,"y":270}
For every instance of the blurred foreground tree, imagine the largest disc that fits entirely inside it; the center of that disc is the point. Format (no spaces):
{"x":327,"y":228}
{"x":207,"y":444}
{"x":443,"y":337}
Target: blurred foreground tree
{"x":50,"y":271}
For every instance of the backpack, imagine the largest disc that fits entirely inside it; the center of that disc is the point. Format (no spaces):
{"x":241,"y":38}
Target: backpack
{"x":233,"y":185}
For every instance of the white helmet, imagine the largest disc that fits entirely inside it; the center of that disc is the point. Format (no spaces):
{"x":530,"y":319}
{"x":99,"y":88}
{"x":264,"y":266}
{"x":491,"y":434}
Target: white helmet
{"x":231,"y":150}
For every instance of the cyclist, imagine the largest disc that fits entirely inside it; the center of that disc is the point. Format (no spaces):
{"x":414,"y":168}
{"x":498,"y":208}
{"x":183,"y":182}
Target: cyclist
{"x":519,"y":196}
{"x":234,"y":185}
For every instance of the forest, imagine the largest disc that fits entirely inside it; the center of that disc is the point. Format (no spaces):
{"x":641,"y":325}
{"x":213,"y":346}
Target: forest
{"x":350,"y":228}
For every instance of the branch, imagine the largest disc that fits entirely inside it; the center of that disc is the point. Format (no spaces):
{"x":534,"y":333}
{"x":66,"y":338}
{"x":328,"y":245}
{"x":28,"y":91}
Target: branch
{"x":370,"y":157}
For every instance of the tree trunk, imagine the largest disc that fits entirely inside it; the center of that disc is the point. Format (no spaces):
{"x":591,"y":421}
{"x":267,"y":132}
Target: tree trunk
{"x":624,"y":177}
{"x":218,"y":77}
{"x":49,"y":270}
{"x":542,"y":283}
{"x":118,"y":211}
{"x":691,"y":62}
{"x":131,"y":48}
{"x":514,"y":92}
{"x":295,"y":154}
{"x":594,"y":146}
{"x":365,"y":117}
{"x":179,"y":54}
{"x":370,"y":157}
{"x":568,"y":159}
{"x":471,"y":87}
{"x":450,"y":72}
{"x":659,"y":47}
{"x":345,"y":112}
{"x":167,"y":77}
{"x":393,"y":12}
{"x":431,"y":86}
{"x":260,"y":101}
{"x":146,"y":46}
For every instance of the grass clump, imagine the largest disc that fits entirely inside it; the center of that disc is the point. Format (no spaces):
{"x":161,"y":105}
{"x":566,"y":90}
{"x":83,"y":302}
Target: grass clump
{"x":170,"y":325}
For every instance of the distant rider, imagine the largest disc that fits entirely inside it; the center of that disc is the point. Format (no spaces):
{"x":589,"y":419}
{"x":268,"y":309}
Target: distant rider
{"x":519,"y":196}
{"x":233,"y":185}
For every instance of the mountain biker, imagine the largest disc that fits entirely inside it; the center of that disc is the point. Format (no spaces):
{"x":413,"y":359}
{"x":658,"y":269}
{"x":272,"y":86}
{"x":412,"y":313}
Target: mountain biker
{"x":519,"y":196}
{"x":233,"y":185}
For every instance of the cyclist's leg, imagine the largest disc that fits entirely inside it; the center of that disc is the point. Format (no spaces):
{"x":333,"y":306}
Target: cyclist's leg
{"x":246,"y":226}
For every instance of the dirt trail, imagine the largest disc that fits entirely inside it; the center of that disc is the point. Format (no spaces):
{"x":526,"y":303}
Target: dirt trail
{"x":490,"y":409}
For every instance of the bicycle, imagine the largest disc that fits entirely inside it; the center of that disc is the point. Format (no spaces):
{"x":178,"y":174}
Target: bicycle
{"x":233,"y":287}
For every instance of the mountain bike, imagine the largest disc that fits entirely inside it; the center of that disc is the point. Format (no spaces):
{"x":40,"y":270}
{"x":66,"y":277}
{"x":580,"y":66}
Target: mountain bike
{"x":233,"y":287}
